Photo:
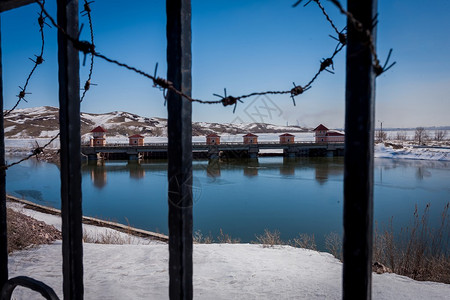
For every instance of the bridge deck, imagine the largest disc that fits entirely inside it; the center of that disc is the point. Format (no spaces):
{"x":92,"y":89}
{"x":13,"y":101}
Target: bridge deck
{"x":162,"y":147}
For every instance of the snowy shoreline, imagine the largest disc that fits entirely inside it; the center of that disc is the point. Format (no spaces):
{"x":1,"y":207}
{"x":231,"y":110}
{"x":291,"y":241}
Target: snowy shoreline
{"x":139,"y":270}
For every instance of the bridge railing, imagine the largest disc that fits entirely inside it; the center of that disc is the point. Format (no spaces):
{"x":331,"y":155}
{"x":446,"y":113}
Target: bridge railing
{"x":119,"y":145}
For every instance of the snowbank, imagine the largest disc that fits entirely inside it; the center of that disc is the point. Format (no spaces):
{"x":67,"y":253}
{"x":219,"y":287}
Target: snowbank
{"x":410,"y":152}
{"x":221,"y":271}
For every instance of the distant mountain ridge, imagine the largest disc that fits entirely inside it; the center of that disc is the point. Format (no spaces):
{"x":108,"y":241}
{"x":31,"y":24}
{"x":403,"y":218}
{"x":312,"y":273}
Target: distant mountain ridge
{"x":43,"y":122}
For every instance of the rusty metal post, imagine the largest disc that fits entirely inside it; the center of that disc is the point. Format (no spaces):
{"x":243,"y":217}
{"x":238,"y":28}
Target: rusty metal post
{"x":179,"y":149}
{"x":358,"y":157}
{"x":69,"y":120}
{"x":3,"y":231}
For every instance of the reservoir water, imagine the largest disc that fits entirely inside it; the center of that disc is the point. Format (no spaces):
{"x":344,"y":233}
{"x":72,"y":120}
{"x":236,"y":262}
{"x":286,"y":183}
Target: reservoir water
{"x":243,"y":197}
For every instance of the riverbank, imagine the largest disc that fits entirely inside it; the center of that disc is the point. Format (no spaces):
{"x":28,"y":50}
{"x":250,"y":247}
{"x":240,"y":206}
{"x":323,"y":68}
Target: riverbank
{"x":91,"y":226}
{"x":221,"y":271}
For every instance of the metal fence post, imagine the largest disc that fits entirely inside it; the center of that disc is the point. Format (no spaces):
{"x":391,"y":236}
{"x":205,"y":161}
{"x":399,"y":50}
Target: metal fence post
{"x":69,"y":120}
{"x":358,"y":157}
{"x":3,"y":231}
{"x":179,"y":149}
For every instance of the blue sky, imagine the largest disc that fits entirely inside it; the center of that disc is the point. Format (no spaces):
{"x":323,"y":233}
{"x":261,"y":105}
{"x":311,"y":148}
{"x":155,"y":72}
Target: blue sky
{"x":244,"y":46}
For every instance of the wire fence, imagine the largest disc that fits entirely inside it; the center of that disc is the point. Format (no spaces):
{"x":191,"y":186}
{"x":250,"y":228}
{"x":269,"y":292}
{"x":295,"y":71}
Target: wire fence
{"x":88,"y":48}
{"x":37,"y":61}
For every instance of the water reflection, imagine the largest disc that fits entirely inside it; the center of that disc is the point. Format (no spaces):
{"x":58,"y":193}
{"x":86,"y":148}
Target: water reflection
{"x":324,"y":168}
{"x":422,"y":172}
{"x":242,"y":196}
{"x":99,"y":169}
{"x":251,"y":168}
{"x":213,"y":168}
{"x":98,"y":172}
{"x":288,"y":166}
{"x":136,"y":169}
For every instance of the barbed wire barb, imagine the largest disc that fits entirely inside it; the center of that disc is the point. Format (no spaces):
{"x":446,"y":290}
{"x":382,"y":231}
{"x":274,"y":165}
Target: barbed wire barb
{"x":381,"y":70}
{"x":87,"y":12}
{"x":228,"y":100}
{"x":378,"y":69}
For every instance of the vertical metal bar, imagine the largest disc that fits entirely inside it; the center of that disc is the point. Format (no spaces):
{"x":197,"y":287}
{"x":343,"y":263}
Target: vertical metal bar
{"x":69,"y":120}
{"x":179,"y":149}
{"x":3,"y":229}
{"x":358,"y":157}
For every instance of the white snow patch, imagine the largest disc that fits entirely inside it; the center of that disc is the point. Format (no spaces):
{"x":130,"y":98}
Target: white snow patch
{"x":409,"y":152}
{"x":30,"y":143}
{"x":221,"y":271}
{"x":49,"y":133}
{"x":8,"y":129}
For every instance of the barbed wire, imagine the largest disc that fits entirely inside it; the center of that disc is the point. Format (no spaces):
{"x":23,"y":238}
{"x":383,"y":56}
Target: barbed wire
{"x":378,"y":69}
{"x":87,"y":12}
{"x":37,"y":61}
{"x":38,"y":150}
{"x":323,"y":11}
{"x":89,"y":48}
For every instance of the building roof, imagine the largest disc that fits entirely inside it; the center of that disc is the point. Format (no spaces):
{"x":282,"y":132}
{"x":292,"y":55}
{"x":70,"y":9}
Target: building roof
{"x":212,"y":135}
{"x":335,"y":133}
{"x":98,"y":129}
{"x":320,"y":127}
{"x":287,"y":134}
{"x":250,"y":135}
{"x":136,"y":136}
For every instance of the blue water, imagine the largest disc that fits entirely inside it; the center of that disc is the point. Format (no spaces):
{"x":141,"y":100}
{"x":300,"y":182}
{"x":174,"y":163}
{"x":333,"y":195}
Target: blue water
{"x":243,"y":197}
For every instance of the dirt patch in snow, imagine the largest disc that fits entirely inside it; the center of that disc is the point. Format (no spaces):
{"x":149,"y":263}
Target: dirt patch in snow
{"x":25,"y":232}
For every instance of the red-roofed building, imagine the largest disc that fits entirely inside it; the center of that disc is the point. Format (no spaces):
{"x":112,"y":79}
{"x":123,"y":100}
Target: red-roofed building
{"x":136,"y":140}
{"x":212,"y":139}
{"x":287,"y":138}
{"x":324,"y":135}
{"x":98,"y":137}
{"x":250,"y":138}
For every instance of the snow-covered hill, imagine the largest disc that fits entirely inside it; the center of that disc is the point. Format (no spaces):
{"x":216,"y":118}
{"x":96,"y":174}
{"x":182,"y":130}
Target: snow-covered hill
{"x":42,"y":122}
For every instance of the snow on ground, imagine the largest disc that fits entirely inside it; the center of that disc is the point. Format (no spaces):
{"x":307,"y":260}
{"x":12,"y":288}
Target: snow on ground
{"x":49,"y":133}
{"x":99,"y":119}
{"x":221,"y":271}
{"x":410,"y":152}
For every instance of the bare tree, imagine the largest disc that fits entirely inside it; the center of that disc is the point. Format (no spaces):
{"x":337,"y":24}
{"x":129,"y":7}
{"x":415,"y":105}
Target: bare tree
{"x":439,"y":135}
{"x":401,"y":135}
{"x":380,"y":135}
{"x":420,"y":135}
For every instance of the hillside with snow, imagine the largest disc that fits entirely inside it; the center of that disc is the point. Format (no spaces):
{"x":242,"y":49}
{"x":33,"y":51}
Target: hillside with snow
{"x":42,"y":122}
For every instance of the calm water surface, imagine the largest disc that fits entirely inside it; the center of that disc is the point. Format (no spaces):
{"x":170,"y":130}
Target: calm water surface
{"x":242,"y":197}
